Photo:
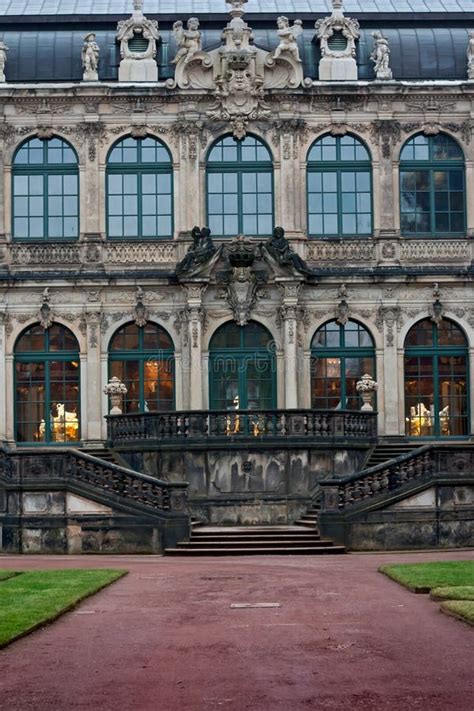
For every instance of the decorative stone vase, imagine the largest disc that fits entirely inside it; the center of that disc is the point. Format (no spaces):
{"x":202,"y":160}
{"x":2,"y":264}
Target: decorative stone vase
{"x":366,"y":387}
{"x":115,"y":389}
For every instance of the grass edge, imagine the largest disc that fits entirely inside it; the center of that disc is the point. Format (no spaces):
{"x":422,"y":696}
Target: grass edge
{"x":452,"y":613}
{"x":121,"y":573}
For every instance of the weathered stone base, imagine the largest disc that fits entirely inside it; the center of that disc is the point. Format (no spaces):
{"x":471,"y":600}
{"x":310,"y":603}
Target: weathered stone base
{"x":60,"y":522}
{"x":442,"y":518}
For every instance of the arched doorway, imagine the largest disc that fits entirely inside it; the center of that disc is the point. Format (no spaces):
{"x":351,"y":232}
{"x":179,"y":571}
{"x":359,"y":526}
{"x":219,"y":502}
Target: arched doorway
{"x":242,"y":370}
{"x":143,"y":358}
{"x":47,"y":385}
{"x":436,"y":380}
{"x":340,"y":355}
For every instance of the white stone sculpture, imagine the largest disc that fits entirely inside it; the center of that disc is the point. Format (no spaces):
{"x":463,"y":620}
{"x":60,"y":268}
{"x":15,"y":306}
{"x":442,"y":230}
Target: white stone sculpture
{"x":366,"y":387}
{"x":138,"y":66}
{"x":115,"y":389}
{"x":381,"y":57}
{"x":470,"y":56}
{"x":90,"y":58}
{"x":337,"y":64}
{"x":3,"y":60}
{"x":288,"y":36}
{"x":188,"y":40}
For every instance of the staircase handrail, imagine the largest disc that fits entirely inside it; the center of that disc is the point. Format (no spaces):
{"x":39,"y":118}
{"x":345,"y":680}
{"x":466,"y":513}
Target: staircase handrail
{"x":128,"y":484}
{"x":380,"y":479}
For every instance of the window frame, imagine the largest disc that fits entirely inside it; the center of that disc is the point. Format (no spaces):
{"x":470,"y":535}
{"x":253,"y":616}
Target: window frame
{"x":342,"y":352}
{"x":142,"y":355}
{"x":46,"y":356}
{"x":339,"y":166}
{"x":435,"y":352}
{"x":139,"y":168}
{"x":240,"y":167}
{"x":45,"y":170}
{"x":431,"y":166}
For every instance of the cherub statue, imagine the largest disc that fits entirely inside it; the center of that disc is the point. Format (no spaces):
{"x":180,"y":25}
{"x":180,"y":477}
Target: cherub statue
{"x":90,"y":56}
{"x":288,"y":37}
{"x":381,"y":56}
{"x":3,"y":60}
{"x":470,"y":56}
{"x":188,"y":40}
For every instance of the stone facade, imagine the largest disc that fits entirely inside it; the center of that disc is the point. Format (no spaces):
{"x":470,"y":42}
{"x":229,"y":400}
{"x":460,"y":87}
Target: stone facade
{"x":386,"y":281}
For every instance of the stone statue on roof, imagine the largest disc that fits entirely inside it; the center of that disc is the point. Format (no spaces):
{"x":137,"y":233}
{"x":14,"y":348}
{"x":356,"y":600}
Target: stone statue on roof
{"x":3,"y":60}
{"x":288,"y":36}
{"x":90,"y":57}
{"x":470,"y":56}
{"x":188,"y":40}
{"x":381,"y":57}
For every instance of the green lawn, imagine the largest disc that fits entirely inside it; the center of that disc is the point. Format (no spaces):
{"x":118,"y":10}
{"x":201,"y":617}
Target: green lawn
{"x":451,"y":581}
{"x":464,"y":609}
{"x":461,"y":592}
{"x":29,"y":600}
{"x":422,"y":577}
{"x":6,"y":574}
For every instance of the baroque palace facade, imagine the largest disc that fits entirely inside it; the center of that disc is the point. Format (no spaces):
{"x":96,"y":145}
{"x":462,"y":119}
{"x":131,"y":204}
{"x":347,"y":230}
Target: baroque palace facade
{"x":353,"y":130}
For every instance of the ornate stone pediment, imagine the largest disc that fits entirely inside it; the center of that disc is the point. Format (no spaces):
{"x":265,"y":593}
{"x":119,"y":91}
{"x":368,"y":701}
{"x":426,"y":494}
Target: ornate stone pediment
{"x":238,"y":72}
{"x":241,"y":268}
{"x":138,"y":37}
{"x":337,"y":36}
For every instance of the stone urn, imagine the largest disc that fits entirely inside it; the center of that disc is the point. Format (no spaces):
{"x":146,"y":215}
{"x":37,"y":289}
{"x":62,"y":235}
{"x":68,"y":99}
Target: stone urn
{"x":366,"y":387}
{"x":115,"y":389}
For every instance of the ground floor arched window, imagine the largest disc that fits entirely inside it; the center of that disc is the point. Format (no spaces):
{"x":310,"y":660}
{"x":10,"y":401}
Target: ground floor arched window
{"x":436,"y":380}
{"x":143,"y":358}
{"x":47,"y":385}
{"x":340,"y":355}
{"x":242,"y":370}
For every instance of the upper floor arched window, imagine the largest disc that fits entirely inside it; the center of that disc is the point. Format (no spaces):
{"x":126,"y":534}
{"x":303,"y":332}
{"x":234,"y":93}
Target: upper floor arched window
{"x":432,"y":193}
{"x":339,"y":180}
{"x":240,"y":187}
{"x":139,"y":190}
{"x":45,"y":191}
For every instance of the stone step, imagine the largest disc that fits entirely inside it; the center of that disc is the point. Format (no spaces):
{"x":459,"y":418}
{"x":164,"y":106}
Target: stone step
{"x":310,"y":537}
{"x":204,"y":535}
{"x":278,"y":543}
{"x":264,"y":550}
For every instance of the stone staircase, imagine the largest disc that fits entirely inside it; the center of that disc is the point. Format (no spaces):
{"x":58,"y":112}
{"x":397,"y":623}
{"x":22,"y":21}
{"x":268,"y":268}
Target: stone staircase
{"x":384,"y":452}
{"x":254,"y":540}
{"x":100,"y":453}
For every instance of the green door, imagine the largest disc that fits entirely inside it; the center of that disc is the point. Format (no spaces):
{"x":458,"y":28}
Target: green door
{"x":242,"y":372}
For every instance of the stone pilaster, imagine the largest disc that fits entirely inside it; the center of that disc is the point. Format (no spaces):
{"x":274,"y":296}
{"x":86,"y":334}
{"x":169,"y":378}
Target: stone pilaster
{"x":93,"y":422}
{"x":388,"y":321}
{"x":194,"y":319}
{"x":289,"y":319}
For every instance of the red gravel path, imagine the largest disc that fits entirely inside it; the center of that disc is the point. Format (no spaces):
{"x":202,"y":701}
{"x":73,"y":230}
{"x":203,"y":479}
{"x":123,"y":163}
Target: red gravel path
{"x":164,"y":638}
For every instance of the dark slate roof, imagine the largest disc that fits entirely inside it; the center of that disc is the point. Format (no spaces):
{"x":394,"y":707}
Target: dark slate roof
{"x":55,"y":55}
{"x":180,"y":7}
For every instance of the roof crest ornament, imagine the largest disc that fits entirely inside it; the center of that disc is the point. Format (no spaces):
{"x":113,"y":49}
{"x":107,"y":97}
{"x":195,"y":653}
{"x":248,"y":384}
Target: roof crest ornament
{"x":337,"y":36}
{"x":138,"y":59}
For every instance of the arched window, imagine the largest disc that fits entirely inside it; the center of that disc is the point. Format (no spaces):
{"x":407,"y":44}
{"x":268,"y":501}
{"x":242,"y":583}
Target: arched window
{"x":432,"y":199}
{"x":143,"y":358}
{"x":242,"y":368}
{"x":45,"y":191}
{"x":47,"y":378}
{"x":240,"y":188}
{"x":340,"y":355}
{"x":139,"y":190}
{"x":339,"y":181}
{"x":436,"y":377}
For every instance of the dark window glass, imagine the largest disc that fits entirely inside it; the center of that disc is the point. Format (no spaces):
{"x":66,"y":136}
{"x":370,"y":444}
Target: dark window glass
{"x":436,"y":376}
{"x":240,"y":187}
{"x":45,"y":196}
{"x":340,"y":356}
{"x":139,"y":190}
{"x":432,"y":200}
{"x":47,"y":385}
{"x":339,"y":188}
{"x":143,"y":358}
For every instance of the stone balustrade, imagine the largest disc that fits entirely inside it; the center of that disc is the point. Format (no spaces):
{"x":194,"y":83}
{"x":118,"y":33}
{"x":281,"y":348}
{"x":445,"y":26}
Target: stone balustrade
{"x":250,"y":425}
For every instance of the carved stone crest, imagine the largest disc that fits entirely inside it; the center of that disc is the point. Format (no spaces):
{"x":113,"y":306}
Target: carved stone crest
{"x":138,"y":37}
{"x":337,"y":36}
